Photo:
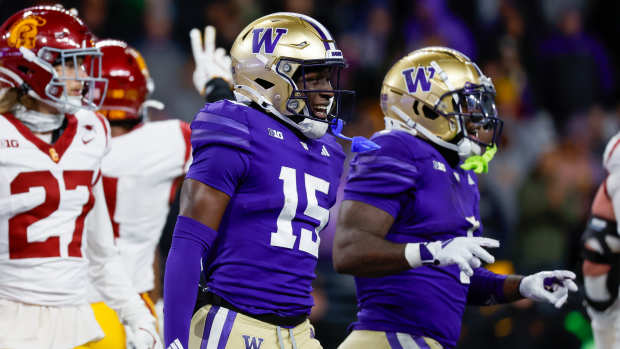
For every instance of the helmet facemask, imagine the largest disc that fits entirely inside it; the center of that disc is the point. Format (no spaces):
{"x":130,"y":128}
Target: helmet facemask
{"x":93,"y":86}
{"x":473,"y":107}
{"x":307,"y":81}
{"x":315,"y":101}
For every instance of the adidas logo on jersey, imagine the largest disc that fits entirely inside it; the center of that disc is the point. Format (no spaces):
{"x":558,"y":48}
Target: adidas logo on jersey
{"x":324,"y":152}
{"x":304,"y":145}
{"x":275,"y":133}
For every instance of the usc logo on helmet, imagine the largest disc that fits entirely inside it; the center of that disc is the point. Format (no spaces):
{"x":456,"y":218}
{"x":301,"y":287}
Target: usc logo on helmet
{"x":24,"y":32}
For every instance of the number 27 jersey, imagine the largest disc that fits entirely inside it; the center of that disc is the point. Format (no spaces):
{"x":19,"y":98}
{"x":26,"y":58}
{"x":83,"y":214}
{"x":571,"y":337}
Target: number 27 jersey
{"x":46,"y":193}
{"x":281,"y":187}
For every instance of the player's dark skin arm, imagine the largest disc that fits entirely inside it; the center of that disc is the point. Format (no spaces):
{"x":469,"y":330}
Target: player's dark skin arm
{"x":203,"y":203}
{"x":360,"y":247}
{"x":511,"y":288}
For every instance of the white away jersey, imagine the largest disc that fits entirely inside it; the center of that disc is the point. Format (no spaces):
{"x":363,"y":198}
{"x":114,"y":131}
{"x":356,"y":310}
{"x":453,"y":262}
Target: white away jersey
{"x":46,"y":193}
{"x":139,"y":180}
{"x":611,"y":156}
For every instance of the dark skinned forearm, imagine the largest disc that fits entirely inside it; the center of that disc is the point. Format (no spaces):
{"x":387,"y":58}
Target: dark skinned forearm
{"x":511,"y":288}
{"x":360,"y":247}
{"x":370,"y":257}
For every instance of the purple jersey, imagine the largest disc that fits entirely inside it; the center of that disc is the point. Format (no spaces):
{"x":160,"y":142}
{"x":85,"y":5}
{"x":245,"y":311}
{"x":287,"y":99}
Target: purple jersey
{"x":429,"y":200}
{"x":281,"y":187}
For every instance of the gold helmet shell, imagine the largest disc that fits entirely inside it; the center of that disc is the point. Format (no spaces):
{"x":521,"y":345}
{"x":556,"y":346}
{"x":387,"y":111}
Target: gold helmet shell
{"x":436,"y":91}
{"x":268,"y":53}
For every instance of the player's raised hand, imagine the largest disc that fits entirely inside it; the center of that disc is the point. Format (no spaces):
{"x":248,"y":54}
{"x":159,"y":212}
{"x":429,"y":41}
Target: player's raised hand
{"x":210,"y":62}
{"x":549,"y":286}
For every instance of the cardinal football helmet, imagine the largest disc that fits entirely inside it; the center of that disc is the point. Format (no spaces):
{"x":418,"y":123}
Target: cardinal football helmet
{"x":129,"y":82}
{"x":35,"y":40}
{"x":439,"y":94}
{"x":275,"y":50}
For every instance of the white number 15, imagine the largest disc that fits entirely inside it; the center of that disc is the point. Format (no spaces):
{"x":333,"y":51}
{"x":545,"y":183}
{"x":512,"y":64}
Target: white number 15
{"x":284,"y":236}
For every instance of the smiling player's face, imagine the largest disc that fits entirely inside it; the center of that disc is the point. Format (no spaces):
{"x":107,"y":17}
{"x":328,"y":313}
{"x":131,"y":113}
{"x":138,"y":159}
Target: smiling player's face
{"x":317,"y":79}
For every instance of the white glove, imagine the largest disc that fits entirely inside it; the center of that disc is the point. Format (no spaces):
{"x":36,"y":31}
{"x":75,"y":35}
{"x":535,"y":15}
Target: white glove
{"x":549,"y":286}
{"x":210,"y":62}
{"x":142,"y":337}
{"x":140,"y":326}
{"x":466,"y":252}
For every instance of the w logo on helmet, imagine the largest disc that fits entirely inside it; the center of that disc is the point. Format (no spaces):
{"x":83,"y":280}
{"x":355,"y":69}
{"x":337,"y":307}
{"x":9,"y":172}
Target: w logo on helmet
{"x":263,"y":39}
{"x":423,"y":76}
{"x":24,"y":32}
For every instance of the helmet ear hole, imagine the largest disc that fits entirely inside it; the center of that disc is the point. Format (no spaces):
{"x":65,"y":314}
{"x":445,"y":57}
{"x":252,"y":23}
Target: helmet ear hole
{"x":264,"y":83}
{"x":429,"y":113}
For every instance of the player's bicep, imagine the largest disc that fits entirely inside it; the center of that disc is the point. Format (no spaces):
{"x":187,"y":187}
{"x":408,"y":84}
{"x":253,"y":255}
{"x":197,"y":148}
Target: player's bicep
{"x":203,"y":203}
{"x":357,"y":219}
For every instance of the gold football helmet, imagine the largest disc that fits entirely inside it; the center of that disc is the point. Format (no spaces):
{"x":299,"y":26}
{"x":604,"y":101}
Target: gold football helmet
{"x":270,"y":56}
{"x":439,"y":94}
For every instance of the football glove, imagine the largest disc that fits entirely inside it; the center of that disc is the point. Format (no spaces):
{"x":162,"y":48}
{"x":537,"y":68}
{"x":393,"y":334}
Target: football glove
{"x":549,"y":286}
{"x":210,"y":62}
{"x":140,"y":326}
{"x":142,"y":337}
{"x":466,"y":252}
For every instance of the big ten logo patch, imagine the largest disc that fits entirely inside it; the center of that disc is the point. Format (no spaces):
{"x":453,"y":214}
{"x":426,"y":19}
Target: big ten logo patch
{"x":419,"y":76}
{"x":264,"y":40}
{"x":275,"y":133}
{"x":24,"y":32}
{"x":9,"y":143}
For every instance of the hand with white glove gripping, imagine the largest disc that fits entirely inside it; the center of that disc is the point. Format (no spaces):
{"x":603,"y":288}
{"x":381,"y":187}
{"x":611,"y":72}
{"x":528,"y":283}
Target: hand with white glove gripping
{"x":210,"y":62}
{"x":549,"y":286}
{"x":140,"y":328}
{"x":467,"y":252}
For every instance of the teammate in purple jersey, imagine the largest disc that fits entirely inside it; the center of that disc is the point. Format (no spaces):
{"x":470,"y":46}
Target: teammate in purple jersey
{"x":409,"y":226}
{"x":258,"y":193}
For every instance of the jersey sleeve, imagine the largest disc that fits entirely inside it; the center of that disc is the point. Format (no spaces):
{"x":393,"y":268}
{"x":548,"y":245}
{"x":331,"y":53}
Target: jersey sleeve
{"x":187,"y":155}
{"x":220,"y":141}
{"x":105,"y":266}
{"x":382,"y":178}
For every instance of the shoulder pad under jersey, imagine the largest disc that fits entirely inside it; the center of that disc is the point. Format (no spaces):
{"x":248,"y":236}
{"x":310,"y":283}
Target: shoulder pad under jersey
{"x":391,"y":169}
{"x":402,"y":144}
{"x":223,"y":123}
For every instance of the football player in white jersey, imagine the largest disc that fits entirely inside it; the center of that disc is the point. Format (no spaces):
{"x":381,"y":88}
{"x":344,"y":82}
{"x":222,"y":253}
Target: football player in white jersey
{"x":55,"y":232}
{"x":601,"y":252}
{"x":140,"y":174}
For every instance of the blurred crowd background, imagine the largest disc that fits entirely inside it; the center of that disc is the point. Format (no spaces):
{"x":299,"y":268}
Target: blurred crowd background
{"x":552,"y":62}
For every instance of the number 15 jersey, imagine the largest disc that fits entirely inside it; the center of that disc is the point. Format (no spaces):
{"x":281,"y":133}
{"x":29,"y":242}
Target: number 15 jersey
{"x":281,"y":187}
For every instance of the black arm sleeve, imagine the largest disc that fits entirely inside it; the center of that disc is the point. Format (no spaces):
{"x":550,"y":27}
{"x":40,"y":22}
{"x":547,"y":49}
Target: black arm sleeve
{"x":218,"y":89}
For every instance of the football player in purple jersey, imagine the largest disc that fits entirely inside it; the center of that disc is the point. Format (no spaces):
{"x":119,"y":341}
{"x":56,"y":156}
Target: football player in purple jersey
{"x":258,"y":193}
{"x":409,"y":226}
